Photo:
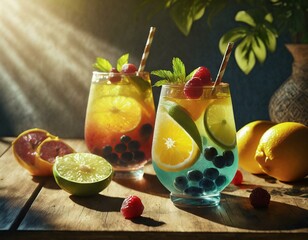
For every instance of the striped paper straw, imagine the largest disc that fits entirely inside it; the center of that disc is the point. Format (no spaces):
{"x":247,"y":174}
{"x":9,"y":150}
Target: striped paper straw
{"x":146,"y":49}
{"x":223,"y":64}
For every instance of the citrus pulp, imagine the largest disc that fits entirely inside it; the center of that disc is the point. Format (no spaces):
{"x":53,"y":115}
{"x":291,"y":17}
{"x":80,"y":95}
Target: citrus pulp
{"x":82,"y":174}
{"x":24,"y":150}
{"x":219,"y":123}
{"x":173,"y":148}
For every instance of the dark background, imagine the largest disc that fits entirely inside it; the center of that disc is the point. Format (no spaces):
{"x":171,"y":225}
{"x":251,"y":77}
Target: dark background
{"x":47,"y":49}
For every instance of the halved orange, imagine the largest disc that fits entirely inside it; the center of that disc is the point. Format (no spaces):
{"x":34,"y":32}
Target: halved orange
{"x":173,"y":148}
{"x":25,"y":145}
{"x":30,"y":151}
{"x":47,"y":152}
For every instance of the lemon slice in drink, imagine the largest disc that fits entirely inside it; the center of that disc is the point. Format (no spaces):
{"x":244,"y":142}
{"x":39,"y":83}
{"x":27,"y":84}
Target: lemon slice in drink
{"x":82,"y":174}
{"x":117,"y":113}
{"x":173,"y":148}
{"x":219,"y":123}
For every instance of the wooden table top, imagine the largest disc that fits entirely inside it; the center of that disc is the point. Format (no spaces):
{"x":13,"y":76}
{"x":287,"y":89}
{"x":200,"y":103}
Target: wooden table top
{"x":36,"y":208}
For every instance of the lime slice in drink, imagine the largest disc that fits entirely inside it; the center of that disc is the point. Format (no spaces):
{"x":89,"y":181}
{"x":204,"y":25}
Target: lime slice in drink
{"x":82,"y":174}
{"x":219,"y":123}
{"x":182,"y":117}
{"x":173,"y":148}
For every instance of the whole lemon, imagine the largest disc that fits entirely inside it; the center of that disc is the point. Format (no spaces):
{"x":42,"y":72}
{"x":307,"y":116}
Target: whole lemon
{"x":283,"y":151}
{"x":248,"y":138}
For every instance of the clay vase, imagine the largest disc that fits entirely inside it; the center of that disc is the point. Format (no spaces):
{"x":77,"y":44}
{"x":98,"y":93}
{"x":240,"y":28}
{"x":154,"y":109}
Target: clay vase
{"x":290,"y":101}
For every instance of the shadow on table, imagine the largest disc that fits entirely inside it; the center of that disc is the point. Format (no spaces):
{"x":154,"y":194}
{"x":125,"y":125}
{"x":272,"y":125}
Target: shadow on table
{"x":148,"y":184}
{"x":294,"y":189}
{"x":235,"y":211}
{"x":111,"y":204}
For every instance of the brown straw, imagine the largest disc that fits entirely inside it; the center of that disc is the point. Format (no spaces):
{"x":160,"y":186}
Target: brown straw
{"x":223,"y":65}
{"x":146,"y":49}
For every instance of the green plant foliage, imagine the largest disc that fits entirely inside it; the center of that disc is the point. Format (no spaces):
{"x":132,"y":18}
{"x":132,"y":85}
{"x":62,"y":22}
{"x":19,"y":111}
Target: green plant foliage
{"x":254,"y":38}
{"x":259,"y":24}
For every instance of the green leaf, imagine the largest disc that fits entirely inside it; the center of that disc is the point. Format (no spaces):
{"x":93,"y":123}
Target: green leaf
{"x":121,"y":61}
{"x":232,"y":36}
{"x":160,"y":83}
{"x":164,"y":74}
{"x":178,"y":76}
{"x":189,"y":76}
{"x":185,"y":12}
{"x":179,"y":71}
{"x":259,"y":49}
{"x":243,"y":16}
{"x":182,"y":20}
{"x":244,"y":56}
{"x":271,"y":40}
{"x":102,"y":65}
{"x":269,"y":17}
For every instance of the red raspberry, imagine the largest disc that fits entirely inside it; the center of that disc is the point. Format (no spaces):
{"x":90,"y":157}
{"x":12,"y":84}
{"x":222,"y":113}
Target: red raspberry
{"x":238,"y":178}
{"x":193,"y":88}
{"x":132,"y":207}
{"x":114,"y":78}
{"x":205,"y":75}
{"x":259,"y":198}
{"x":129,"y":68}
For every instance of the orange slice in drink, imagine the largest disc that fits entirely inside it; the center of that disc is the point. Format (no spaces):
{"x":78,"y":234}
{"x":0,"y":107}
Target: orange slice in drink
{"x":118,"y":114}
{"x":173,"y":148}
{"x":195,"y":107}
{"x":219,"y":123}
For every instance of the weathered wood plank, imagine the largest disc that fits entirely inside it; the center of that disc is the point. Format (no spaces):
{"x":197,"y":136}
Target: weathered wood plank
{"x":16,"y":189}
{"x":55,"y":211}
{"x":5,"y":143}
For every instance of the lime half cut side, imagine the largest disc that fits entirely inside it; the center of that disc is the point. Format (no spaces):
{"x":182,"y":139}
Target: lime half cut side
{"x":219,"y":123}
{"x":82,"y":174}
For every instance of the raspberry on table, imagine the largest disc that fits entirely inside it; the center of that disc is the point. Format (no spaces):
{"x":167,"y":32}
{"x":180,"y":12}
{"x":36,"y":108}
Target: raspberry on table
{"x":238,"y":178}
{"x":259,"y":198}
{"x":132,"y":207}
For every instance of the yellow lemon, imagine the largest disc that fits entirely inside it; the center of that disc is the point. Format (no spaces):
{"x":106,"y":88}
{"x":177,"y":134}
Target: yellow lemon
{"x":282,"y":151}
{"x":248,"y":138}
{"x":173,"y":148}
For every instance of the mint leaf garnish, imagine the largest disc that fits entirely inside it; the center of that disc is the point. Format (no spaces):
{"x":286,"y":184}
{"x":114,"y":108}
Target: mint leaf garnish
{"x":102,"y":64}
{"x":121,"y":61}
{"x":178,"y":76}
{"x":179,"y":70}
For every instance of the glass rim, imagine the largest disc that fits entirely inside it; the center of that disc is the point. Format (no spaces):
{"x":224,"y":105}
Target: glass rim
{"x":180,"y":86}
{"x":100,"y":73}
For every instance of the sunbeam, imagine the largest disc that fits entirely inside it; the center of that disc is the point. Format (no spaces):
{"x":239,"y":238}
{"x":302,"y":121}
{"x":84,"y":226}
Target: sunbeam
{"x":45,"y":66}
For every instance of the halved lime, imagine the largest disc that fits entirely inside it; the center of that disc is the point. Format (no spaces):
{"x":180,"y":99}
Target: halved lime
{"x":219,"y":123}
{"x":82,"y":174}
